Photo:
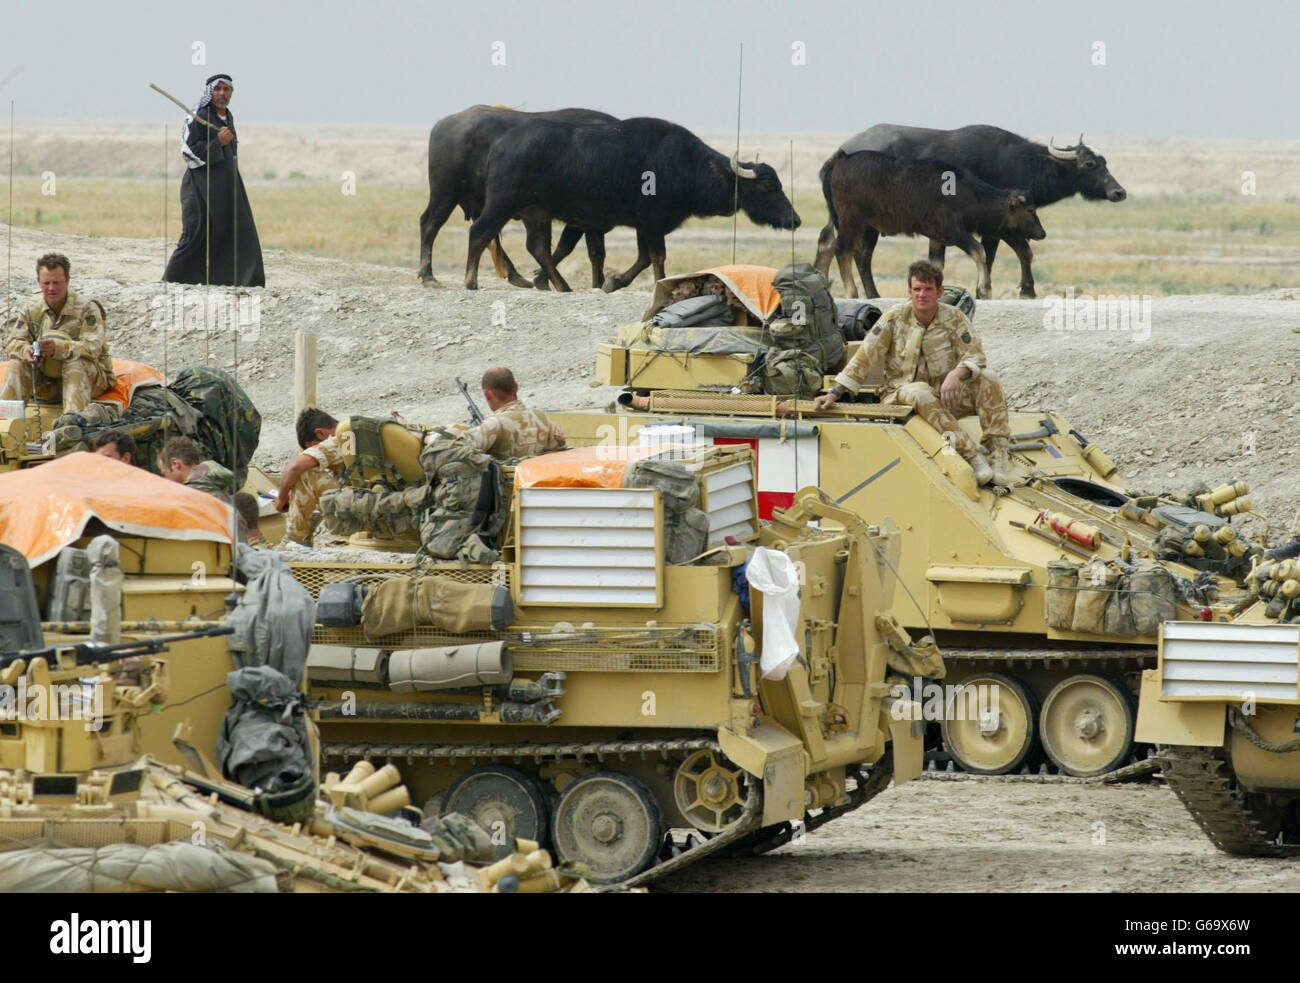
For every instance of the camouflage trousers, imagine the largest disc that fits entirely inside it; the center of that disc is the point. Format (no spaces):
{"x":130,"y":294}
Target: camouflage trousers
{"x":982,"y":396}
{"x":82,"y":381}
{"x":304,"y":500}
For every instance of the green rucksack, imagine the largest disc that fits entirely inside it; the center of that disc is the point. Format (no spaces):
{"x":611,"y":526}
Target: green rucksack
{"x":790,"y":372}
{"x":808,"y":319}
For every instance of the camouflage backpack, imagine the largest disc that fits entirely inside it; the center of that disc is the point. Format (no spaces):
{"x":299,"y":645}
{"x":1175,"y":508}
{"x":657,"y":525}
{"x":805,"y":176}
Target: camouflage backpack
{"x":468,"y":506}
{"x":806,"y":303}
{"x":686,"y":528}
{"x":386,"y":513}
{"x":790,"y":372}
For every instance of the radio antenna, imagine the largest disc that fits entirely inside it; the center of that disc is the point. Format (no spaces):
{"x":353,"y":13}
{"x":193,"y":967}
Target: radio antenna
{"x":735,"y":204}
{"x":9,"y":251}
{"x":792,"y":211}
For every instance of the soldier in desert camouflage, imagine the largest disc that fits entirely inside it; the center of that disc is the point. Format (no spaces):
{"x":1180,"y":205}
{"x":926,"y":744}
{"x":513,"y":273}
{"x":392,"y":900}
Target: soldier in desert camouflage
{"x":309,"y":475}
{"x":513,"y":430}
{"x":933,"y":361}
{"x":64,"y":337}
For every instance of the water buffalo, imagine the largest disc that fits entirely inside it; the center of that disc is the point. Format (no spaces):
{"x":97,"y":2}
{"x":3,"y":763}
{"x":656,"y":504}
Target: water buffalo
{"x":869,"y":194}
{"x":1046,"y":173}
{"x":458,"y":149}
{"x":647,"y":173}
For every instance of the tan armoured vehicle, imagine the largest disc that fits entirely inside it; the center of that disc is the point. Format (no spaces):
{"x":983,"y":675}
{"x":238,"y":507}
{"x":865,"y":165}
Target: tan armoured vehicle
{"x":992,"y":572}
{"x":1222,"y":707}
{"x":602,"y":686}
{"x":114,"y":658}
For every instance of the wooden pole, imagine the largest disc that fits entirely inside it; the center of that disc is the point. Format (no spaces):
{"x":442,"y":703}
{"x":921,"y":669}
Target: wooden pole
{"x":304,"y":371}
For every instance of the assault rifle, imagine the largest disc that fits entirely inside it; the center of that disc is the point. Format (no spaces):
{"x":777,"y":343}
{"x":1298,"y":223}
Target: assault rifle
{"x":475,"y":417}
{"x":89,"y":653}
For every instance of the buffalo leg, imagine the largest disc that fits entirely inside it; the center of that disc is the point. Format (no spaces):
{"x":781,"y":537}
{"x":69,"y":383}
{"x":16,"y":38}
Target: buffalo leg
{"x":539,"y":244}
{"x":937,"y":251}
{"x":481,"y":233}
{"x":971,"y":247}
{"x":863,"y":254}
{"x":431,"y":222}
{"x":505,"y":269}
{"x":658,"y":254}
{"x":596,"y":253}
{"x":1020,"y":245}
{"x":620,"y":280}
{"x":845,"y":250}
{"x":568,"y":239}
{"x":826,"y":246}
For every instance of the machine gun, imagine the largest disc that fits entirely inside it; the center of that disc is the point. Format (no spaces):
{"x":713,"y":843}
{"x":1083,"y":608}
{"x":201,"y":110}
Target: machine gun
{"x":475,"y":416}
{"x":90,"y":653}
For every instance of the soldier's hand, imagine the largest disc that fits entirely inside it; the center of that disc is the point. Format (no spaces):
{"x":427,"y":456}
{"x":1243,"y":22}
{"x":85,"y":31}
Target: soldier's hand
{"x":951,"y":389}
{"x":224,"y":136}
{"x":825,"y":400}
{"x":282,"y":502}
{"x":46,"y":346}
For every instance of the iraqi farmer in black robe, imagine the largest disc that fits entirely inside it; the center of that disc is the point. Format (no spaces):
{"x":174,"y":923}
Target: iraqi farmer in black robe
{"x":219,"y":241}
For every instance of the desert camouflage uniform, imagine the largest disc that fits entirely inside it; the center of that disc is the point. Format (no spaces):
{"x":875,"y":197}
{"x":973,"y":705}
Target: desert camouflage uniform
{"x":515,"y":431}
{"x":211,"y":477}
{"x":915,"y":360}
{"x":304,"y":496}
{"x":87,"y":367}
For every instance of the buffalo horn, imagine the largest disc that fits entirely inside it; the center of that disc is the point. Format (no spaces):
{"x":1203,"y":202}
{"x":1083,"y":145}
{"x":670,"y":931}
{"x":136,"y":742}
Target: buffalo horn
{"x":1063,"y":153}
{"x":744,"y":172}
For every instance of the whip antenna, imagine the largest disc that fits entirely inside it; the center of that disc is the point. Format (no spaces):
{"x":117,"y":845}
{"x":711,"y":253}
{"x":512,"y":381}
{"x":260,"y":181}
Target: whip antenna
{"x":792,"y":211}
{"x":9,"y":252}
{"x":166,"y":292}
{"x":735,"y":204}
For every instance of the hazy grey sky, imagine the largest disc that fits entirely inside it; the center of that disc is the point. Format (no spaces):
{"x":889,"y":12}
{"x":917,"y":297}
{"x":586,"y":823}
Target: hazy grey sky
{"x":1206,"y":69}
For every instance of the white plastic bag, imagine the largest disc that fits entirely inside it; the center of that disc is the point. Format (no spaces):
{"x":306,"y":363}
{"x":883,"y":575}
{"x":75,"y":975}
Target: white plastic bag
{"x":774,"y":574}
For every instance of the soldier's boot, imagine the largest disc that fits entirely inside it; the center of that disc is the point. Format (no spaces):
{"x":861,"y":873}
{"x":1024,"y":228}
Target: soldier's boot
{"x":1002,"y":468}
{"x":980,"y":465}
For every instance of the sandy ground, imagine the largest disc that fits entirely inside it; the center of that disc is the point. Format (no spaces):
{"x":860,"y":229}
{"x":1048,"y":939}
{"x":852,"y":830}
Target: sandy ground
{"x":988,"y":834}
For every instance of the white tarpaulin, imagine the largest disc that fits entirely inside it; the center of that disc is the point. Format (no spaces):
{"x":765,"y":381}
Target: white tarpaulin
{"x":773,"y":573}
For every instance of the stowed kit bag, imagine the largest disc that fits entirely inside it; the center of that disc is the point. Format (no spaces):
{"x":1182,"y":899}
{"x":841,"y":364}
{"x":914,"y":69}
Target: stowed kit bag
{"x":437,"y":601}
{"x":1062,"y":586}
{"x":468,"y":505}
{"x":856,"y":318}
{"x":960,"y":298}
{"x":686,"y":528}
{"x":1097,"y":582}
{"x":803,"y":335}
{"x":1153,"y":598}
{"x":706,"y":309}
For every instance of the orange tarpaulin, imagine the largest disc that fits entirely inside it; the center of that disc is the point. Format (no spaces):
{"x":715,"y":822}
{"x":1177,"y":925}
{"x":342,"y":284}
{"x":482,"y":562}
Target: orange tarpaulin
{"x":45,"y":508}
{"x":130,"y":376}
{"x":581,"y":467}
{"x":751,"y":285}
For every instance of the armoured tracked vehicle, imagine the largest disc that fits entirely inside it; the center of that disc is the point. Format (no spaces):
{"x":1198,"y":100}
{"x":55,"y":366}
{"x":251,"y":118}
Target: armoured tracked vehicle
{"x":993,"y":573}
{"x":114,"y":662}
{"x":598,"y":690}
{"x":1222,"y":707}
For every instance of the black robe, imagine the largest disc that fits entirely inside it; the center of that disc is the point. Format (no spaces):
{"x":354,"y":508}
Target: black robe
{"x":228,"y":200}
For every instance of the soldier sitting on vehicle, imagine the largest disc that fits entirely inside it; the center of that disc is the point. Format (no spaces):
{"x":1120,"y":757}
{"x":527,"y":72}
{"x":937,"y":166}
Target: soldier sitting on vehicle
{"x":310,"y":474}
{"x":933,"y":361}
{"x":59,"y":343}
{"x":182,"y":462}
{"x":117,"y":444}
{"x":513,"y":430}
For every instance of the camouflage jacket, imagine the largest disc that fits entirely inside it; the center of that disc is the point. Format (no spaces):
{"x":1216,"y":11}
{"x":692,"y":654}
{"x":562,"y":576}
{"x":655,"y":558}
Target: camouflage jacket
{"x":907,"y":351}
{"x":211,"y":477}
{"x":328,"y":453}
{"x":81,"y":320}
{"x":515,"y":431}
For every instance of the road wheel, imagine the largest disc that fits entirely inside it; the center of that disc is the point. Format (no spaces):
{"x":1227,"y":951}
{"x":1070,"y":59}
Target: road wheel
{"x":502,"y":800}
{"x":1087,"y":725}
{"x":609,"y":823}
{"x":709,"y":791}
{"x":995,"y":734}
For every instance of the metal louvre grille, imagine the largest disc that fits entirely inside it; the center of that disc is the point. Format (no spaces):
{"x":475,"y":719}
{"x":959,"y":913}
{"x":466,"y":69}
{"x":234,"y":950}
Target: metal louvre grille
{"x":314,"y":576}
{"x":679,"y":648}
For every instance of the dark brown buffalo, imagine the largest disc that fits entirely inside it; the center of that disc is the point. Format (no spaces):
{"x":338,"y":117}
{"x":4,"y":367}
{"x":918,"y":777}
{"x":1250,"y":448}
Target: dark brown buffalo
{"x":458,"y":149}
{"x":870,"y":194}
